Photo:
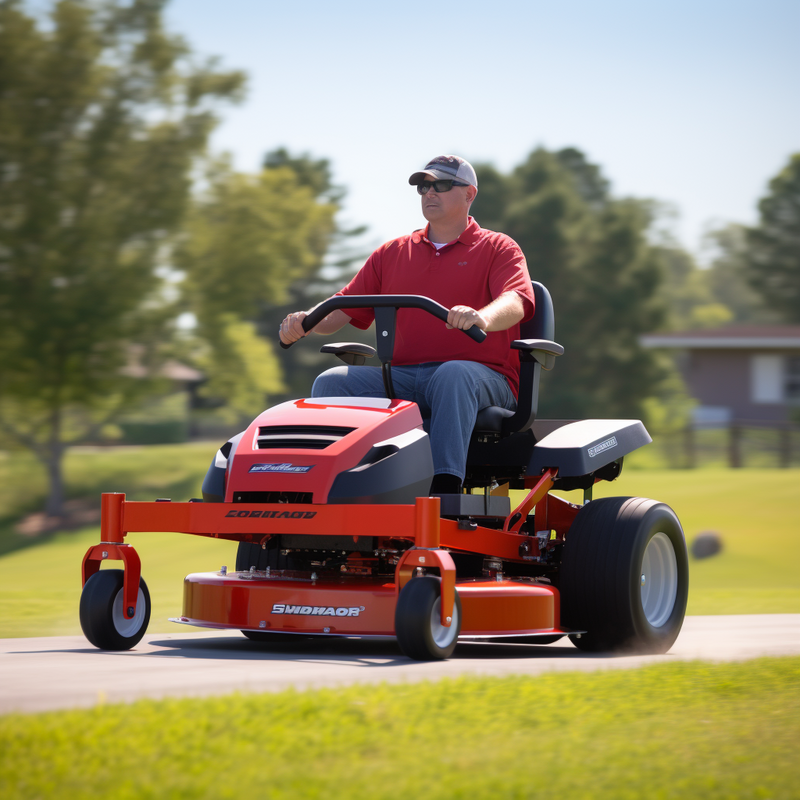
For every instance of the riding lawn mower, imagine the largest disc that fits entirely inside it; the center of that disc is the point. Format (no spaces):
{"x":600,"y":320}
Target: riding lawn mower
{"x":329,"y":501}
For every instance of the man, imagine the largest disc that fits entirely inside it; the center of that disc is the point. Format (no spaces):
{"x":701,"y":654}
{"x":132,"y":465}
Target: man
{"x":481,"y":277}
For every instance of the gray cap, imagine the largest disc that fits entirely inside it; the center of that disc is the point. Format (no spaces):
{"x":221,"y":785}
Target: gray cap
{"x":446,"y":168}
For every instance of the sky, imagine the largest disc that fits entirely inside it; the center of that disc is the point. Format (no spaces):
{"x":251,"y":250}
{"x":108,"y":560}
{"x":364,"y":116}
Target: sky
{"x":695,"y":103}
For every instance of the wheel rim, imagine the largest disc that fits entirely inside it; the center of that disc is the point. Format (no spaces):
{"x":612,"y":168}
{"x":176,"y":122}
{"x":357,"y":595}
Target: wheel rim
{"x":443,"y":636}
{"x":128,"y":627}
{"x":659,"y":579}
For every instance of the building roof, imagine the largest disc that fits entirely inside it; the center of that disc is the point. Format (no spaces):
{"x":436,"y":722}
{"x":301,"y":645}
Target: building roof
{"x":739,"y":337}
{"x":174,"y":370}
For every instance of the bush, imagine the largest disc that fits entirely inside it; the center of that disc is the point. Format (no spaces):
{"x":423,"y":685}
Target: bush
{"x":172,"y":431}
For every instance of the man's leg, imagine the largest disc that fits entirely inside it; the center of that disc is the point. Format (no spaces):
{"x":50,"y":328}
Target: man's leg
{"x":349,"y":382}
{"x":363,"y":382}
{"x":455,"y":392}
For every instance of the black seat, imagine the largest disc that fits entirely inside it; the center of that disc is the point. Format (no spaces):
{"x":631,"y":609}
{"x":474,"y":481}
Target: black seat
{"x":502,"y":440}
{"x":537,"y":351}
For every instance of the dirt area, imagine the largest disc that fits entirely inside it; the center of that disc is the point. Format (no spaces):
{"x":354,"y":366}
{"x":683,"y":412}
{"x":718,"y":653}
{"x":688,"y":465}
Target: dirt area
{"x":77,"y":514}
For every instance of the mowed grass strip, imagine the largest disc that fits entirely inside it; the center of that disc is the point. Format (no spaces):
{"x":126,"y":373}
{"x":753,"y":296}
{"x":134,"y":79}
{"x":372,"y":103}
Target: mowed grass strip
{"x":679,"y":730}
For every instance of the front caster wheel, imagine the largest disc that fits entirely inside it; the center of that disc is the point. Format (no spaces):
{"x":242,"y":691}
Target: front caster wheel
{"x":417,"y":620}
{"x":102,"y":615}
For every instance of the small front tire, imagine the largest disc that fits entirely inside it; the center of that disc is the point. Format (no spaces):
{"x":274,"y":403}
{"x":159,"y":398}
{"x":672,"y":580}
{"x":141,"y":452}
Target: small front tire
{"x":102,"y":614}
{"x":417,"y":621}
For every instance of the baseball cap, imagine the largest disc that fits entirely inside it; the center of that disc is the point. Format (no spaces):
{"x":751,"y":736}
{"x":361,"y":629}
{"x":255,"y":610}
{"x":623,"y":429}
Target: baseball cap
{"x":446,"y":168}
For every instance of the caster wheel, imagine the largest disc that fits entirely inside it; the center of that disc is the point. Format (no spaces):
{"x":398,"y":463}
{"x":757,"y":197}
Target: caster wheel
{"x":417,"y":622}
{"x":102,"y":615}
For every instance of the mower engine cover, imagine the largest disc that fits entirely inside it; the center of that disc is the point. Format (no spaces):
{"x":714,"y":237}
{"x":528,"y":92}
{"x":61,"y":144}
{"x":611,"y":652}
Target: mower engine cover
{"x":326,"y":450}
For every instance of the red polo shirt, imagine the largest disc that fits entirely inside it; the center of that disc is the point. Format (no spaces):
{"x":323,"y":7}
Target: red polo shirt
{"x":472,"y":270}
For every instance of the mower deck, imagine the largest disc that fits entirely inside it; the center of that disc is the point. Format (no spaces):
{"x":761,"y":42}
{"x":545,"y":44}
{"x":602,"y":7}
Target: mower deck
{"x":357,"y":606}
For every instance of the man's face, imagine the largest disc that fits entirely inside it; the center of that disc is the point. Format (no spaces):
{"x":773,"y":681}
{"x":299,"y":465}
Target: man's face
{"x":449,"y":206}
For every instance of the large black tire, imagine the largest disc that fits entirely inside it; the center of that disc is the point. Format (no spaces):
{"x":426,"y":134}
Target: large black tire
{"x":417,"y":623}
{"x":624,"y":576}
{"x":102,"y":615}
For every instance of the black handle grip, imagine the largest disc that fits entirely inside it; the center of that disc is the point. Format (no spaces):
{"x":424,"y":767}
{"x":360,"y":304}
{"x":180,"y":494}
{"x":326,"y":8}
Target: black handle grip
{"x":382,"y":301}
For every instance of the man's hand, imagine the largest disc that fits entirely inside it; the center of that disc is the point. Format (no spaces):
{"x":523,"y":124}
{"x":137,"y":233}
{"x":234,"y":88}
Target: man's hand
{"x":499,"y":315}
{"x":291,"y":329}
{"x":464,"y":317}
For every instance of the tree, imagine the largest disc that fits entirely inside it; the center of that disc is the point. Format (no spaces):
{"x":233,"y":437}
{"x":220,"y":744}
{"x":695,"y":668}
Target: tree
{"x":247,"y":240}
{"x":592,"y":253}
{"x":689,"y":292}
{"x":773,"y":246}
{"x":102,"y":115}
{"x":727,"y":277}
{"x":344,"y":256}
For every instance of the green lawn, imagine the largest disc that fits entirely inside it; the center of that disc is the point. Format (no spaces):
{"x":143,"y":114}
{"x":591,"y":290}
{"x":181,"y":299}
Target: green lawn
{"x":686,"y":730}
{"x":143,"y":473}
{"x":756,"y":511}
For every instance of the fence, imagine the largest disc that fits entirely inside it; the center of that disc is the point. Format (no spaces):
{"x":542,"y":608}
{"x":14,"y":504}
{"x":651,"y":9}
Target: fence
{"x":738,"y":444}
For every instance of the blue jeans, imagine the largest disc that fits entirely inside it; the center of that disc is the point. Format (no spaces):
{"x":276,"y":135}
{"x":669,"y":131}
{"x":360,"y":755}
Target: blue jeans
{"x":449,"y":396}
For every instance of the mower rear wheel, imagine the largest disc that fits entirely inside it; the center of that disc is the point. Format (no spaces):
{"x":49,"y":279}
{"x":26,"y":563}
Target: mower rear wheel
{"x":102,"y":614}
{"x":417,"y":620}
{"x":625,"y":576}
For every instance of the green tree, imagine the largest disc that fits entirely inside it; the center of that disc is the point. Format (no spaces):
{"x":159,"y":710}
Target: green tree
{"x":102,"y":115}
{"x":773,"y":246}
{"x":253,"y":248}
{"x":689,"y":292}
{"x":591,"y":251}
{"x":344,"y":256}
{"x":727,"y":277}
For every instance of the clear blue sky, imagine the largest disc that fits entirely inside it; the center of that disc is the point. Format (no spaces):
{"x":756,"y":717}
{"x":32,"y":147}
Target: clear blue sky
{"x":692,"y":102}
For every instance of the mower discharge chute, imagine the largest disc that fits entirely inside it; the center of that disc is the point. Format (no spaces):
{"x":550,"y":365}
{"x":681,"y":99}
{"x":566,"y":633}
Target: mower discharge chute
{"x":327,"y":498}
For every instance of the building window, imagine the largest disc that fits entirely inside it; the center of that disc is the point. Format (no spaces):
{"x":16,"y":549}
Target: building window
{"x":792,"y":382}
{"x":767,"y":379}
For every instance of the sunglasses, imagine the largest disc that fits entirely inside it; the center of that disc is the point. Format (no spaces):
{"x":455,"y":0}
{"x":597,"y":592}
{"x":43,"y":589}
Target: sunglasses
{"x":438,"y":186}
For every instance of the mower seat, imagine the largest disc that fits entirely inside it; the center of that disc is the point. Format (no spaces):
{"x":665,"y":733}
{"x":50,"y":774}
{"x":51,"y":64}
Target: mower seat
{"x":537,"y":351}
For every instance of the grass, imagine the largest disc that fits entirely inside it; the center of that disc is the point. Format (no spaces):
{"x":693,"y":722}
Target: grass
{"x":687,"y":730}
{"x":756,"y":511}
{"x":143,"y":473}
{"x":758,"y":448}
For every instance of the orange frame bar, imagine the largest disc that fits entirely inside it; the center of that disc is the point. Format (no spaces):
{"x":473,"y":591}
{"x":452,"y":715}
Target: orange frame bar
{"x":419,"y":523}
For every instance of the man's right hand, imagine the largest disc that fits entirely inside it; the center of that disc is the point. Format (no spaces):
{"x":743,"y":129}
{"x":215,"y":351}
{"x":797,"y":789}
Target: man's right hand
{"x":291,"y":329}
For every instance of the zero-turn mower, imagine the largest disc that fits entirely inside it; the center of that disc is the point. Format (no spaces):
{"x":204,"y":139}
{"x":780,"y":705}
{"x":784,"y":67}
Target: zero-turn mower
{"x":328,"y":499}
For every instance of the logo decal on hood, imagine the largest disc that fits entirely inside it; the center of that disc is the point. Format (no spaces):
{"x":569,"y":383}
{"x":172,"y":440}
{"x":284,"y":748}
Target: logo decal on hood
{"x":280,"y":468}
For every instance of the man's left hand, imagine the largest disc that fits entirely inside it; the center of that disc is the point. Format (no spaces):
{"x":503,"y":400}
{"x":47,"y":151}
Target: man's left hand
{"x":464,"y":317}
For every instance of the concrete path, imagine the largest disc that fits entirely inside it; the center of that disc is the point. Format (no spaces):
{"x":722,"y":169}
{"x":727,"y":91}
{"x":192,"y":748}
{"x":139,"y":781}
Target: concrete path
{"x":67,"y":672}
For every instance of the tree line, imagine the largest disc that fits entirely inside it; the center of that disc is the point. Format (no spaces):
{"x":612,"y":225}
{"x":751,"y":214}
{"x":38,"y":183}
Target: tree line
{"x":116,"y":224}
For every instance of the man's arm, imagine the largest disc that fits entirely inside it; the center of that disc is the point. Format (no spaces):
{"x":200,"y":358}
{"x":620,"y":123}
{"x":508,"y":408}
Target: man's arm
{"x":291,"y":329}
{"x":500,"y":315}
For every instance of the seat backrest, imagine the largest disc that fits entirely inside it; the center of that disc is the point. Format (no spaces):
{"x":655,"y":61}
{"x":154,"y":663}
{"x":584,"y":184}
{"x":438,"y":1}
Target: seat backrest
{"x":500,"y":421}
{"x":541,"y":326}
{"x":543,"y":323}
{"x":495,"y":452}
